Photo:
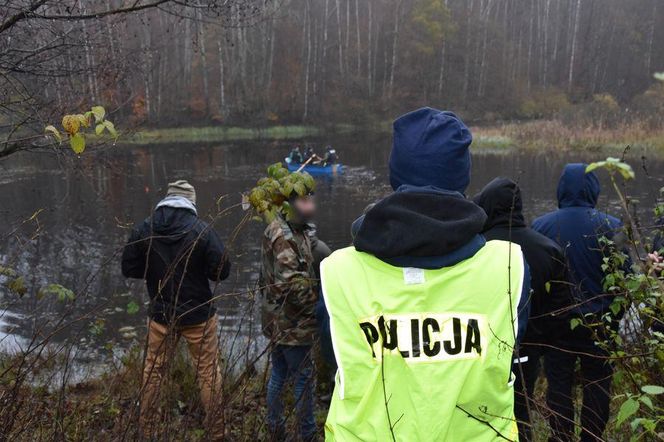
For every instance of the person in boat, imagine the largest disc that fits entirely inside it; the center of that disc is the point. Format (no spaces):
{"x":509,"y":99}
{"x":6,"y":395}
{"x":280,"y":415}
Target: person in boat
{"x":330,"y":156}
{"x":308,"y":153}
{"x":295,"y":156}
{"x":311,"y":157}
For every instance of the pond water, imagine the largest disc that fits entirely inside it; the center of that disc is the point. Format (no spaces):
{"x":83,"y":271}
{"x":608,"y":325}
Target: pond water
{"x":84,"y":208}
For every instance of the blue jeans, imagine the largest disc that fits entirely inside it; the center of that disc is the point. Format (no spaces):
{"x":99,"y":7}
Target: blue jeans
{"x":290,"y":362}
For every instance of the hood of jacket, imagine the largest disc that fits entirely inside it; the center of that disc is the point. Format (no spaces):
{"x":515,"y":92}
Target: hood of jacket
{"x":170,"y":224}
{"x":502,"y":202}
{"x":577,"y":188}
{"x":419,"y":222}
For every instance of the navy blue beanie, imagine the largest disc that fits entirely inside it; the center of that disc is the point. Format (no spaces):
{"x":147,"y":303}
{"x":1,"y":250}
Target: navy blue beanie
{"x":430,"y":148}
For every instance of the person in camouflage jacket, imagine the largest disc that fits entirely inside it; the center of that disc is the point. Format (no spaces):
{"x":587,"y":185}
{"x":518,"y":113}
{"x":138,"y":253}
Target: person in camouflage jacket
{"x":289,"y":297}
{"x":288,"y":284}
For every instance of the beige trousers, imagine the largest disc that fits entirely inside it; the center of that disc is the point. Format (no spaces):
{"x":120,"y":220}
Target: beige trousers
{"x":203,"y":345}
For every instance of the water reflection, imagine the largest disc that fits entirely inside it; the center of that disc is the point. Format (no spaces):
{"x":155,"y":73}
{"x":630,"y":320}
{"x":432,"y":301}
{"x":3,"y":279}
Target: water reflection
{"x":88,"y":206}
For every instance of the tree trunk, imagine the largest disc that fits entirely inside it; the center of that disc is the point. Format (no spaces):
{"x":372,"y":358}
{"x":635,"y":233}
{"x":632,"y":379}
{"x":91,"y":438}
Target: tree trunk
{"x":570,"y":78}
{"x":369,"y":50}
{"x":466,"y":68}
{"x":395,"y":40}
{"x":357,"y":34}
{"x":307,"y":32}
{"x":441,"y":71}
{"x":340,"y":41}
{"x":651,"y":36}
{"x":222,"y":91}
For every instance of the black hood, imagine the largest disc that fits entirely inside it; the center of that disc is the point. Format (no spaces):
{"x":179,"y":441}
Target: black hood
{"x":419,"y":222}
{"x":170,"y":223}
{"x":501,"y":200}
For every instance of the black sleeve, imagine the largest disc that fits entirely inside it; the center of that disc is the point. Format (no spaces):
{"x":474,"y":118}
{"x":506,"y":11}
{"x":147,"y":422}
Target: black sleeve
{"x":218,"y":266}
{"x":560,"y":296}
{"x":323,"y":321}
{"x":133,"y":256}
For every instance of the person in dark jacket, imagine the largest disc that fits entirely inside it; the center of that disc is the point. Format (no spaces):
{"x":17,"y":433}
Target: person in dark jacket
{"x":577,"y":227}
{"x":501,"y":200}
{"x":177,"y":254}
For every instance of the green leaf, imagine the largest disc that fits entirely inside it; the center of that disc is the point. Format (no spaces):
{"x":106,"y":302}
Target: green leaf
{"x":56,"y":133}
{"x":647,"y":401}
{"x":300,"y":188}
{"x":97,"y":328}
{"x":615,"y":308}
{"x":99,"y":129}
{"x":627,"y":409}
{"x":309,"y":181}
{"x":574,"y":323}
{"x":132,"y":307}
{"x":275,"y":170}
{"x":287,"y":188}
{"x":652,"y":389}
{"x":613,"y":165}
{"x":85,"y":121}
{"x":77,"y":142}
{"x":625,"y":170}
{"x":659,"y":76}
{"x":62,"y":293}
{"x":7,"y":271}
{"x":110,"y":127}
{"x":17,"y":286}
{"x":547,"y":286}
{"x":99,"y":112}
{"x":596,"y":165}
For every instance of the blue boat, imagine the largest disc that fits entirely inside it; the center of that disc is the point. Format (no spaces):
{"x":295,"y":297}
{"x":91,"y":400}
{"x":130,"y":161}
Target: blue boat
{"x":315,"y":169}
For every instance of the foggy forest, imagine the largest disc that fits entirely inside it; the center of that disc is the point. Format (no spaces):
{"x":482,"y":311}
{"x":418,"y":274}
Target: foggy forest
{"x":277,"y":133}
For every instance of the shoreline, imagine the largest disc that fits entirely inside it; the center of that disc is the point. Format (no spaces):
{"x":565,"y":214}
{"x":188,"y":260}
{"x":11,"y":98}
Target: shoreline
{"x":536,"y":135}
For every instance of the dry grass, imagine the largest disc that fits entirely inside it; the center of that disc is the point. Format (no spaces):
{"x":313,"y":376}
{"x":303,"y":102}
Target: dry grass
{"x":105,"y":408}
{"x":553,"y":134}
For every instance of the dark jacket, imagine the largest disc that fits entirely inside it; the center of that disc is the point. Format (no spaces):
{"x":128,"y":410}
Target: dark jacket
{"x":551,"y":297}
{"x":176,"y":253}
{"x":320,"y":251}
{"x":577,"y":227}
{"x":428,"y":228}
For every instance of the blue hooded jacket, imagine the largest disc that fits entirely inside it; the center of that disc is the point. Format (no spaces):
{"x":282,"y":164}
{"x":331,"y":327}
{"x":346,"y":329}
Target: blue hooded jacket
{"x":577,"y":227}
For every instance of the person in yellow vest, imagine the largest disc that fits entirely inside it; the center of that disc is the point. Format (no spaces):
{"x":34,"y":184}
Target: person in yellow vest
{"x":424,"y":312}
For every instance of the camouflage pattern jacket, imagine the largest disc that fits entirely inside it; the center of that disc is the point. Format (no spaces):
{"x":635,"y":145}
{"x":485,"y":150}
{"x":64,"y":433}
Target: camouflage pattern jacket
{"x":288,"y":285}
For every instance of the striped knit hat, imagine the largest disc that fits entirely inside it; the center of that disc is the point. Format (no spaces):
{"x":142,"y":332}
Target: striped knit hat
{"x":182,"y":188}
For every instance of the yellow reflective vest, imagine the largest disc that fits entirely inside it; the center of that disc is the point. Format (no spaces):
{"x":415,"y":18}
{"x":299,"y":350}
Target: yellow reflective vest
{"x":423,"y":355}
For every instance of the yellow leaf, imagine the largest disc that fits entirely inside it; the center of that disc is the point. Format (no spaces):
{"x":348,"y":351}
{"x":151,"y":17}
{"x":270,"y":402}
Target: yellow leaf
{"x":71,"y":124}
{"x":99,"y":112}
{"x":85,"y":121}
{"x":77,"y":142}
{"x":99,"y":129}
{"x":110,"y":127}
{"x":54,"y":131}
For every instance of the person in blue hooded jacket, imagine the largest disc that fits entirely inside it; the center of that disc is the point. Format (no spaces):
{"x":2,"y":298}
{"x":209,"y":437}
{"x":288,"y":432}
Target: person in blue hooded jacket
{"x":577,"y":226}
